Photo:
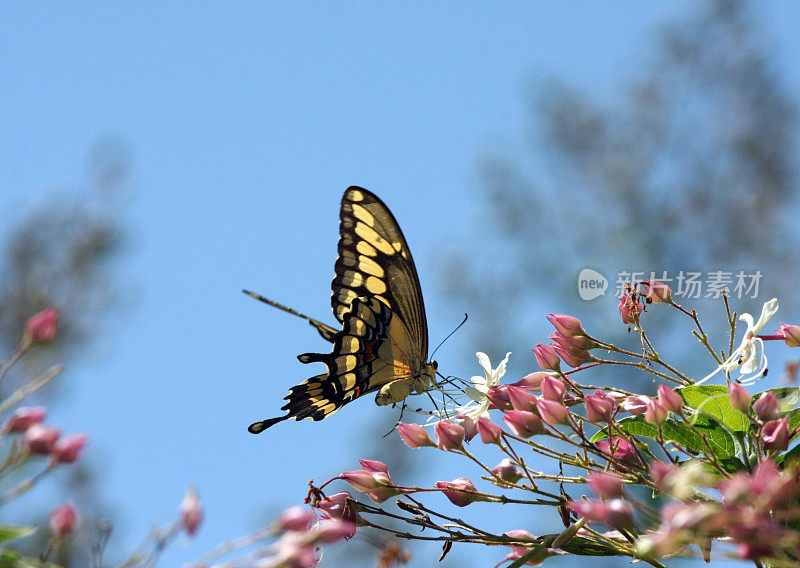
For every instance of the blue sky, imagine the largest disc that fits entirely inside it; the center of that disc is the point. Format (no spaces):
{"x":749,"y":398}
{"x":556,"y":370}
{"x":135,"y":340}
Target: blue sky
{"x":245,"y":122}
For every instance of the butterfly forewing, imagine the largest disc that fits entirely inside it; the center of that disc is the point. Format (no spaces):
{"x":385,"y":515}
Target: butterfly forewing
{"x":375,"y":260}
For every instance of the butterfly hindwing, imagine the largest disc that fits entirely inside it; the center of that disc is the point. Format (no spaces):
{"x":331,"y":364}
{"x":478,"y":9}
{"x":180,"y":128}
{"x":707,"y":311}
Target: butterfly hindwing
{"x":383,"y":343}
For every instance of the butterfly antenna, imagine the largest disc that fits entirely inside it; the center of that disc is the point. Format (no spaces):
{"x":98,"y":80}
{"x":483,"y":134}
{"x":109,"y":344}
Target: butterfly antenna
{"x":275,"y":304}
{"x":466,"y":317}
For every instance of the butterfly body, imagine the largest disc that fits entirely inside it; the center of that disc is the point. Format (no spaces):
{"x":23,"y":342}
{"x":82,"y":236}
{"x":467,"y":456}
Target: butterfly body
{"x":382,"y":346}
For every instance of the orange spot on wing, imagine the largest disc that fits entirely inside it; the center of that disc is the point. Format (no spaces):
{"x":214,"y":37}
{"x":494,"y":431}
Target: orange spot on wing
{"x":401,"y":370}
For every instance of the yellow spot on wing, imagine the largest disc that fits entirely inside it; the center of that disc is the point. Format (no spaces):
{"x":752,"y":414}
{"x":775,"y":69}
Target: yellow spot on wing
{"x":366,"y":264}
{"x":368,"y":234}
{"x":348,"y":381}
{"x":375,"y":285}
{"x":350,"y":344}
{"x":345,"y":363}
{"x":366,"y":249}
{"x":352,"y":278}
{"x":363,"y":215}
{"x":355,"y":195}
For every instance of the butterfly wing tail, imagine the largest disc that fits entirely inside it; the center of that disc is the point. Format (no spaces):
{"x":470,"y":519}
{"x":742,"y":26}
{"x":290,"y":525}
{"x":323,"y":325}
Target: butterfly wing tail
{"x":258,"y":427}
{"x":315,"y":398}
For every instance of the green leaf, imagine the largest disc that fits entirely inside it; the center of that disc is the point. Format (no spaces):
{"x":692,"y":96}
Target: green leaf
{"x":713,"y":400}
{"x":719,"y":439}
{"x":793,"y":416}
{"x":7,"y":532}
{"x":11,"y":559}
{"x":790,"y":456}
{"x":788,"y":397}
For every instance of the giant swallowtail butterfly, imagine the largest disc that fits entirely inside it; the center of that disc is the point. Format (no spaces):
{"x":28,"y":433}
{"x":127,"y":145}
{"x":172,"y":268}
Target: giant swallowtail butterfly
{"x":383,"y":343}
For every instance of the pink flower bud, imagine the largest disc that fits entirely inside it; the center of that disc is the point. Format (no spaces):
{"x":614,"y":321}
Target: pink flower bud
{"x":574,"y":343}
{"x":622,"y":449}
{"x":414,"y":435}
{"x":295,"y":518}
{"x":41,"y":327}
{"x":518,"y":552}
{"x":775,"y":435}
{"x":524,"y":424}
{"x":362,"y":480}
{"x":191,"y":511}
{"x":39,"y":439}
{"x":599,"y":407}
{"x":531,"y":381}
{"x":671,"y":400}
{"x":332,"y":530}
{"x":790,"y":334}
{"x":546,"y":357}
{"x":489,"y":431}
{"x":568,"y":326}
{"x":63,"y":519}
{"x":767,"y":407}
{"x":657,"y":292}
{"x":374,"y":466}
{"x":553,"y":389}
{"x":636,"y":404}
{"x":24,"y":417}
{"x":573,"y":357}
{"x":739,"y":397}
{"x":615,"y":513}
{"x":630,"y":310}
{"x":659,"y":470}
{"x":552,"y":412}
{"x":507,"y":471}
{"x":469,"y":426}
{"x":605,"y":485}
{"x":449,"y":435}
{"x":521,"y":399}
{"x":462,"y":491}
{"x":655,"y":413}
{"x":293,"y":550}
{"x":68,"y":449}
{"x":499,"y":397}
{"x":339,"y":506}
{"x":373,"y":480}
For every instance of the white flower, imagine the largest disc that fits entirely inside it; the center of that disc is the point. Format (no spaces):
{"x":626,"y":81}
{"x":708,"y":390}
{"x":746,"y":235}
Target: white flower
{"x":750,"y":357}
{"x":480,"y":387}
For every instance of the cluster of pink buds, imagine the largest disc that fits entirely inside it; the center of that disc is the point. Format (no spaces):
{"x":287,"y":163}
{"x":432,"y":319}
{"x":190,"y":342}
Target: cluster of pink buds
{"x":43,"y":440}
{"x":570,"y":343}
{"x":750,"y":514}
{"x":724,"y":469}
{"x":775,"y":432}
{"x":301,"y":533}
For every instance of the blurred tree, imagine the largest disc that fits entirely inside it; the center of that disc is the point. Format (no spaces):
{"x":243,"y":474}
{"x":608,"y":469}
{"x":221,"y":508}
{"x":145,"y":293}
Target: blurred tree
{"x":693,"y":168}
{"x":60,"y":254}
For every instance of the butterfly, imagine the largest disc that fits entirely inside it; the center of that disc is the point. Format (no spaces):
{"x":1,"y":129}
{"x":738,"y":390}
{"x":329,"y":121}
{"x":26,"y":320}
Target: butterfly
{"x":382,"y":346}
